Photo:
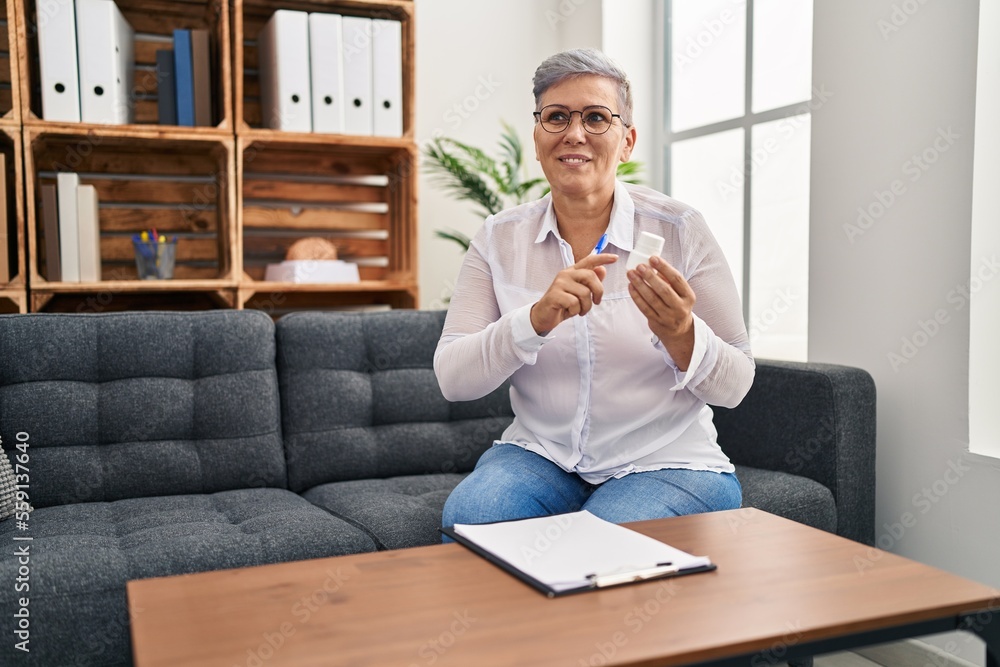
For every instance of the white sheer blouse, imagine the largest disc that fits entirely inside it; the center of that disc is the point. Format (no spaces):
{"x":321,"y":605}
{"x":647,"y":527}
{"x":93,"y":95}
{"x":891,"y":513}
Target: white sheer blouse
{"x":598,"y":395}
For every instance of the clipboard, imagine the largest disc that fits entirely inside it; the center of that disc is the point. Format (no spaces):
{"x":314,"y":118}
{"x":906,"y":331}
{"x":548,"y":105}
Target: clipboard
{"x":591,"y":581}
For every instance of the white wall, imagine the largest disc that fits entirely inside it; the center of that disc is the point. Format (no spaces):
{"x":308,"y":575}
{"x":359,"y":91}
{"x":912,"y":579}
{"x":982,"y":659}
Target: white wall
{"x":885,"y":291}
{"x":475,"y":62}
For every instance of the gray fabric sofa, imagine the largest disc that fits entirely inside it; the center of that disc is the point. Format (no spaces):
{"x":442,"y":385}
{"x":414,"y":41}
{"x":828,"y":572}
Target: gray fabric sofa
{"x":169,"y":443}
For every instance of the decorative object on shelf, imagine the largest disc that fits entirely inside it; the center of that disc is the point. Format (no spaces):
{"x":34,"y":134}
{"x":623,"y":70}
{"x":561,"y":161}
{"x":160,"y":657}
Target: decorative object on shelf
{"x":312,"y":260}
{"x":154,"y":255}
{"x":312,"y":247}
{"x":469,"y":173}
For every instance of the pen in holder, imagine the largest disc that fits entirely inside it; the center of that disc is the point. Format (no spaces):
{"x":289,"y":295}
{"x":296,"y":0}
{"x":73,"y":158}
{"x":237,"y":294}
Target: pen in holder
{"x":154,"y":255}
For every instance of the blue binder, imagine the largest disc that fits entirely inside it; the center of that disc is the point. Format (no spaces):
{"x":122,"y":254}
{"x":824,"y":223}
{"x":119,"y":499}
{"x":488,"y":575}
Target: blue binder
{"x":184,"y":76}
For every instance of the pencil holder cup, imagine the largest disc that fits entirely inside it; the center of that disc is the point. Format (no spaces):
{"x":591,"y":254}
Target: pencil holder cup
{"x":155,"y":261}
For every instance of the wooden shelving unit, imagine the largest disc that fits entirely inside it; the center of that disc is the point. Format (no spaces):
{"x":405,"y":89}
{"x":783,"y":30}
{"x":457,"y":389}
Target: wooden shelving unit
{"x":236,"y":194}
{"x":10,"y":89}
{"x":358,"y":192}
{"x":13,"y":294}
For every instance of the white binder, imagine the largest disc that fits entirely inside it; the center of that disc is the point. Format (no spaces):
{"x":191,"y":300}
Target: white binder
{"x":357,"y":51}
{"x":387,"y":77}
{"x":89,"y":225}
{"x":107,"y":63}
{"x":283,"y":66}
{"x":69,"y":230}
{"x":58,"y":73}
{"x":327,"y":72}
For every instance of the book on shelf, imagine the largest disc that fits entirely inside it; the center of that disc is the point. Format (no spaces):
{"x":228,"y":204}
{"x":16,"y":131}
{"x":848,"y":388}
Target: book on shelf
{"x":184,"y":77}
{"x":166,"y":87}
{"x":201,"y":77}
{"x":71,"y":223}
{"x":90,"y":233}
{"x":69,"y":230}
{"x":50,"y":227}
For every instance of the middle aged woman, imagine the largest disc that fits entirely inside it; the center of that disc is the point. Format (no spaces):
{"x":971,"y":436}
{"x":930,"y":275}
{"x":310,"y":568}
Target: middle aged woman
{"x":611,"y":371}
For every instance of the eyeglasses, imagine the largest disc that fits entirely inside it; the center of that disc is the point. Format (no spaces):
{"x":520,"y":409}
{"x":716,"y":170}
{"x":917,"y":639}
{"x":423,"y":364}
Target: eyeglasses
{"x":555,"y":118}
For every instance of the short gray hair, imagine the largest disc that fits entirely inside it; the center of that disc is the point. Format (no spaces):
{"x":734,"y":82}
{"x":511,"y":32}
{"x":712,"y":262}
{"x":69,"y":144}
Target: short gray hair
{"x":583,"y":62}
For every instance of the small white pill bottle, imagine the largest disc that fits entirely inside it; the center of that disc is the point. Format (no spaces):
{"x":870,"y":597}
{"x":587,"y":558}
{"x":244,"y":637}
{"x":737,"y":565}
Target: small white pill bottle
{"x":647,"y":246}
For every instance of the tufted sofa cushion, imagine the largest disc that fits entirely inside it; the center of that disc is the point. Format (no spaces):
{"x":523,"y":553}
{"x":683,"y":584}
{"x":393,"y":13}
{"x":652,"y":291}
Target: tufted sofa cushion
{"x":359,"y":400}
{"x":142,"y":404}
{"x":397,"y":512}
{"x":82,"y":555}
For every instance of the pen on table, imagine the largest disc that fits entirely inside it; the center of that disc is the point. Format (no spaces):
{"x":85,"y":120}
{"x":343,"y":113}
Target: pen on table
{"x":602,"y":243}
{"x":615,"y":578}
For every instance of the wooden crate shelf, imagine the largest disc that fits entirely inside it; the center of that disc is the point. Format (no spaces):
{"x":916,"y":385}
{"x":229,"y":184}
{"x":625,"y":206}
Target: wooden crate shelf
{"x":281,"y":298}
{"x":249,"y":16}
{"x":362,"y":198}
{"x":154,"y":22}
{"x":13,"y":180}
{"x":10,"y":89}
{"x":237,"y":195}
{"x":186,"y":191}
{"x":129,"y":295}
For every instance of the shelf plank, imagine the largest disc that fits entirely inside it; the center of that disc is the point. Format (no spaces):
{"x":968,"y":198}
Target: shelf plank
{"x":261,"y":217}
{"x":133,"y":286}
{"x":254,"y":287}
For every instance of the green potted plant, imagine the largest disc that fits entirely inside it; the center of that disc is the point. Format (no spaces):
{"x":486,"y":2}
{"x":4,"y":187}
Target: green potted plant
{"x":492,"y":184}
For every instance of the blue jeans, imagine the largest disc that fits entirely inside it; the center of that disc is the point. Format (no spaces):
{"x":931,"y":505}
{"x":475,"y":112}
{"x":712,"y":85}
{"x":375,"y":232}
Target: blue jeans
{"x":510,"y":482}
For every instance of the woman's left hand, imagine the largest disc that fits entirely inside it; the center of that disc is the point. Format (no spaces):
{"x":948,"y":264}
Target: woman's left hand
{"x":666,"y":299}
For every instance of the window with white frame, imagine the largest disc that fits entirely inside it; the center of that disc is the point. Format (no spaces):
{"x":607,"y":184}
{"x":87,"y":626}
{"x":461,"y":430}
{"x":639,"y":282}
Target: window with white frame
{"x":983,"y":290}
{"x":737,"y":105}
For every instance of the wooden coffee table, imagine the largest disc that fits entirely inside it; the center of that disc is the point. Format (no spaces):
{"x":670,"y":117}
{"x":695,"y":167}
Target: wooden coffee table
{"x":781,"y":591}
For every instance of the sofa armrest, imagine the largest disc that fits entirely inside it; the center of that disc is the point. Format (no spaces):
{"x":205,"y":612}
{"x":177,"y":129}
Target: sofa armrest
{"x":815,"y":420}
